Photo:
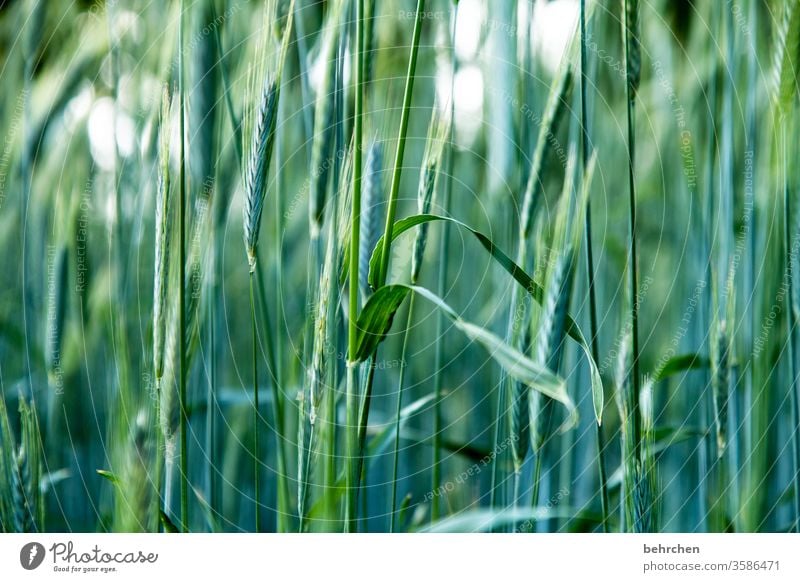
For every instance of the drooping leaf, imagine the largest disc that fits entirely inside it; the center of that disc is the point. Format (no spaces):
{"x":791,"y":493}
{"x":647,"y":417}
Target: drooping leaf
{"x":380,"y":441}
{"x":167,"y":523}
{"x":376,"y":319}
{"x":518,"y":273}
{"x":111,"y":477}
{"x":680,"y":363}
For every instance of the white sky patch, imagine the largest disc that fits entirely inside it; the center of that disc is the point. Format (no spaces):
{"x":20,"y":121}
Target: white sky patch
{"x":318,"y":69}
{"x":468,"y":29}
{"x":101,"y":133}
{"x":78,"y":107}
{"x":553,"y":26}
{"x":468,"y":103}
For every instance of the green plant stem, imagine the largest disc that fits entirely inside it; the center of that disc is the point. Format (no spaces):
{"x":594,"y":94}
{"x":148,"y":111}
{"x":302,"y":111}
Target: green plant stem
{"x":351,"y":444}
{"x":363,"y":421}
{"x":547,"y":410}
{"x":706,"y":456}
{"x":304,"y":477}
{"x":750,"y":322}
{"x":277,"y":402}
{"x":330,"y":449}
{"x":184,"y":421}
{"x":593,"y":330}
{"x":352,"y":477}
{"x":302,"y":60}
{"x":633,"y":277}
{"x":791,"y":323}
{"x":256,"y":423}
{"x":400,"y":385}
{"x":211,"y":396}
{"x":159,"y":460}
{"x":276,"y":360}
{"x":363,"y":417}
{"x":401,"y":145}
{"x":226,"y":89}
{"x":442,"y":286}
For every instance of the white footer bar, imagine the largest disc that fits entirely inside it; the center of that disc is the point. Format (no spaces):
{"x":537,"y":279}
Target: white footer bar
{"x":405,"y":557}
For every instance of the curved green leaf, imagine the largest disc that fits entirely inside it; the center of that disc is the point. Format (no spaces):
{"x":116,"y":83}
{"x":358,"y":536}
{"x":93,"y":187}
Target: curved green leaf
{"x":376,"y":320}
{"x":518,"y":273}
{"x":681,"y":363}
{"x":109,"y":476}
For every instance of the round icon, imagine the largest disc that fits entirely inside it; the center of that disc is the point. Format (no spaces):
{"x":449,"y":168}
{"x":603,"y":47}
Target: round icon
{"x":31,"y":555}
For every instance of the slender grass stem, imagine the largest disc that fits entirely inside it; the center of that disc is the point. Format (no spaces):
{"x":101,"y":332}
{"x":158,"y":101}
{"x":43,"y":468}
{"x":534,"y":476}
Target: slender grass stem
{"x":444,"y":248}
{"x":273,"y":367}
{"x":159,"y":460}
{"x":355,"y":218}
{"x":791,"y":324}
{"x":751,"y":319}
{"x":351,"y":444}
{"x":397,"y":171}
{"x":184,"y":421}
{"x":256,"y":423}
{"x":539,"y":462}
{"x":226,"y":90}
{"x":400,"y":385}
{"x":304,"y":479}
{"x":590,"y":273}
{"x":212,"y":485}
{"x":363,"y":421}
{"x":705,"y":456}
{"x":302,"y":60}
{"x":633,"y":276}
{"x":363,"y":417}
{"x":277,"y":358}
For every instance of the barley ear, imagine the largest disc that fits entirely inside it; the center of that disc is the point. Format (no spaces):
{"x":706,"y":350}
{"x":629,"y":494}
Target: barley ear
{"x":633,"y":50}
{"x":551,"y":118}
{"x":372,"y":199}
{"x":258,"y":166}
{"x":432,"y":161}
{"x":787,"y":57}
{"x":721,"y":350}
{"x":162,"y":228}
{"x":263,"y":121}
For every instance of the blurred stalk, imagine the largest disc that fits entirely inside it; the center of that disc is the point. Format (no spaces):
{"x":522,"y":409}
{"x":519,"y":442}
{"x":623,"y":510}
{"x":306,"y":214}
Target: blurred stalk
{"x":302,"y":61}
{"x":633,"y":71}
{"x":401,"y":145}
{"x":276,"y":367}
{"x":184,"y":466}
{"x":750,"y":309}
{"x":791,"y":317}
{"x":236,"y":127}
{"x":728,"y":477}
{"x":704,"y":333}
{"x":353,"y":477}
{"x":400,"y":385}
{"x":593,"y":329}
{"x":204,"y":147}
{"x":277,"y":402}
{"x":444,"y":248}
{"x":34,"y":10}
{"x":363,"y":416}
{"x":256,"y":419}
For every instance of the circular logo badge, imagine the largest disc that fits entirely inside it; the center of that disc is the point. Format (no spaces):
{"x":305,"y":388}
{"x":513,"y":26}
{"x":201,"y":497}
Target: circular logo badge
{"x":31,"y":555}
